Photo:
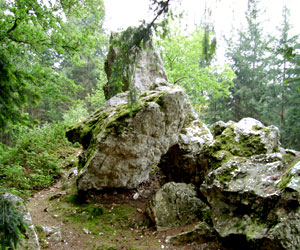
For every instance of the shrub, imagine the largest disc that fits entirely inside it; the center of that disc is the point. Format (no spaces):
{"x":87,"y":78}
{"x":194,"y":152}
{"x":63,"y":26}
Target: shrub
{"x":36,"y":160}
{"x":12,"y":224}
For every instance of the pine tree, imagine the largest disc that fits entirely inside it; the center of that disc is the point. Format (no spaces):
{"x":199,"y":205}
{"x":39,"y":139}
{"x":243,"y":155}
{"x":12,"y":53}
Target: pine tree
{"x":281,"y":98}
{"x":249,"y":61}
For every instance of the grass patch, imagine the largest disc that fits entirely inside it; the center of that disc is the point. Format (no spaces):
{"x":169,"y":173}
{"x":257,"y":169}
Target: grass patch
{"x":96,"y":218}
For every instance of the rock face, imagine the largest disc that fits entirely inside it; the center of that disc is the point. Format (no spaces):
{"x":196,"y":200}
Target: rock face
{"x":30,"y":242}
{"x":249,"y":185}
{"x":175,"y":204}
{"x":182,"y":162}
{"x":120,"y":149}
{"x":122,"y":143}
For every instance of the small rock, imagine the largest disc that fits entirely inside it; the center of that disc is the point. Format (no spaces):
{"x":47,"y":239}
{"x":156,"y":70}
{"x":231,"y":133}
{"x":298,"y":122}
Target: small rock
{"x":139,"y":210}
{"x":56,"y":196}
{"x":86,"y":231}
{"x":136,"y":196}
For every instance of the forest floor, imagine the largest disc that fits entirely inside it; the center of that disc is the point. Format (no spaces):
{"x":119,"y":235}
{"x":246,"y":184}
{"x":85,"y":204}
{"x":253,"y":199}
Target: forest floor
{"x":109,"y":220}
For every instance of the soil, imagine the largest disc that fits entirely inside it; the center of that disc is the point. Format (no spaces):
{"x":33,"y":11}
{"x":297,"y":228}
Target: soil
{"x":52,"y":207}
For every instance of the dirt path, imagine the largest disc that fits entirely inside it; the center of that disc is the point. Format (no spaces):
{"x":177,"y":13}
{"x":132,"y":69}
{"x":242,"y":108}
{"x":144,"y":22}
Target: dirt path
{"x":119,"y":224}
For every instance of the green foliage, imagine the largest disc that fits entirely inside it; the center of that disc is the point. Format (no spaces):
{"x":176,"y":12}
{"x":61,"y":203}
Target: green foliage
{"x":96,"y":98}
{"x":249,"y":60}
{"x":12,"y":224}
{"x":36,"y":160}
{"x":35,"y":36}
{"x":182,"y":54}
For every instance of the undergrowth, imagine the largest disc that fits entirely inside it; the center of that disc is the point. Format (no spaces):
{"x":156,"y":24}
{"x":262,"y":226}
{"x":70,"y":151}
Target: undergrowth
{"x":37,"y":159}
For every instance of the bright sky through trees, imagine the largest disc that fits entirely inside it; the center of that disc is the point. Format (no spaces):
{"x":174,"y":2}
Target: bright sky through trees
{"x":225,"y":14}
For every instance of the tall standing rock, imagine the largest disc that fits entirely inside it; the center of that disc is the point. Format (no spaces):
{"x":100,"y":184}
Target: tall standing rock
{"x":147,"y":70}
{"x":122,"y":142}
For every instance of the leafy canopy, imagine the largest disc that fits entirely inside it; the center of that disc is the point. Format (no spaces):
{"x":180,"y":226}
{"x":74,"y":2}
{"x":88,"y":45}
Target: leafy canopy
{"x":187,"y":66}
{"x":29,"y":29}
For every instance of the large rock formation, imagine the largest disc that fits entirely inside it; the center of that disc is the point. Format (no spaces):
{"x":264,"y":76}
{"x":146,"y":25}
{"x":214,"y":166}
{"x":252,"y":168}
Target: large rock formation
{"x":250,"y":184}
{"x":122,"y":142}
{"x":250,"y":188}
{"x":121,"y":147}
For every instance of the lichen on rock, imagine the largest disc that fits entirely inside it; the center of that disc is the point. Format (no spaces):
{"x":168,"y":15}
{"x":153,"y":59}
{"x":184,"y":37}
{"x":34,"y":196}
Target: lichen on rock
{"x":244,"y":185}
{"x":121,"y":146}
{"x":175,"y":204}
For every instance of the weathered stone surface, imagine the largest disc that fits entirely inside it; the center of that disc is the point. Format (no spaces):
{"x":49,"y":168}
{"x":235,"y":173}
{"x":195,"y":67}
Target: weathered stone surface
{"x":250,"y":188}
{"x":182,"y":163}
{"x":246,"y":138}
{"x":49,"y":234}
{"x":175,"y":204}
{"x":119,"y":149}
{"x":31,"y":241}
{"x":147,"y":70}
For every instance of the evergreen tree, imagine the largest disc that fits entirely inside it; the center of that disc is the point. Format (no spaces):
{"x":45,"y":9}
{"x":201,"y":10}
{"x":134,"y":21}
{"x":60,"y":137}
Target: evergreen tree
{"x":250,"y":63}
{"x":281,"y":97}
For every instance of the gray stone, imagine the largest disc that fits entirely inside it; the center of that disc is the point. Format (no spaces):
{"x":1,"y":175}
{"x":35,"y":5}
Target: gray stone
{"x":246,"y":138}
{"x":175,"y":204}
{"x":31,"y":241}
{"x":182,"y":162}
{"x":122,"y":145}
{"x":250,"y":188}
{"x":49,"y":234}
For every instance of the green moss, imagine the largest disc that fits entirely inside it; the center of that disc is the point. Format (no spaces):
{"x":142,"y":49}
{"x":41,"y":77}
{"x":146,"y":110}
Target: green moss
{"x":226,"y":147}
{"x":104,"y":122}
{"x":287,"y":176}
{"x":264,"y":129}
{"x":226,"y":175}
{"x":97,"y":219}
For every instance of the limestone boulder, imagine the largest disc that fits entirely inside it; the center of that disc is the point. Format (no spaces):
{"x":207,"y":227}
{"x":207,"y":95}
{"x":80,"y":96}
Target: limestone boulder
{"x":245,"y":138}
{"x":176,"y":204}
{"x":31,"y":241}
{"x":182,"y":162}
{"x":121,"y":144}
{"x":252,"y":187}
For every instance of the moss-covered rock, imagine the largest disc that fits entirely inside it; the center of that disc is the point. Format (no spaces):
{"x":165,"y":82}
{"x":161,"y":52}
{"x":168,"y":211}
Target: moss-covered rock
{"x":175,"y":204}
{"x":121,"y":144}
{"x":252,"y":186}
{"x":246,"y":138}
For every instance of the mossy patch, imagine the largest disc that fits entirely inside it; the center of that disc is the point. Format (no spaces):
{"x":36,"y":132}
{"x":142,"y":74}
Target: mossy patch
{"x":226,"y":147}
{"x":109,"y":121}
{"x":97,"y":219}
{"x":287,"y":175}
